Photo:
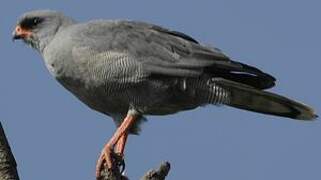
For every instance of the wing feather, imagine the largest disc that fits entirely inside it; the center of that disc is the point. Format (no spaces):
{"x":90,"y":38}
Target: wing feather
{"x":170,"y":53}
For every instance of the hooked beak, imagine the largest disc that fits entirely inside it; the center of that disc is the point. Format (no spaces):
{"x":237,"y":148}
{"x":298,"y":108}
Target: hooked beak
{"x":20,"y":33}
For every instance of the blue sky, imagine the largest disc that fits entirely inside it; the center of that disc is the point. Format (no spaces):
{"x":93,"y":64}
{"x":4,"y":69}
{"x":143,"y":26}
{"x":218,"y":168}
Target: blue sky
{"x":55,"y":136}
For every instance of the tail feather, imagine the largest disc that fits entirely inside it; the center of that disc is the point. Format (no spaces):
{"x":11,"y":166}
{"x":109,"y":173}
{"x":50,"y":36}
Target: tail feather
{"x":248,"y":98}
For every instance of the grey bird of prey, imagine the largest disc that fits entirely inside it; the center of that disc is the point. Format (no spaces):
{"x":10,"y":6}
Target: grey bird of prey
{"x":128,"y":69}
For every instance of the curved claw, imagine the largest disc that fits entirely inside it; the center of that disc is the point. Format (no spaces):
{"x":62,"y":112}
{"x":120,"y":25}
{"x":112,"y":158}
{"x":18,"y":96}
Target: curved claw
{"x":122,"y":165}
{"x":117,"y":162}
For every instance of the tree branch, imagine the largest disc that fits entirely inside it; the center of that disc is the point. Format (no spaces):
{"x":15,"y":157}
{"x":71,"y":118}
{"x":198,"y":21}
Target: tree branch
{"x":153,"y":174}
{"x":8,"y":166}
{"x":159,"y":174}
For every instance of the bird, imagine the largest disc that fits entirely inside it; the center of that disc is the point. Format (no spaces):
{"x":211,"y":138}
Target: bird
{"x":128,"y":70}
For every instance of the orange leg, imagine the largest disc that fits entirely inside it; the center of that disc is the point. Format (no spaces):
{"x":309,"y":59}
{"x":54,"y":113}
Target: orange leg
{"x":117,"y":141}
{"x":120,"y":146}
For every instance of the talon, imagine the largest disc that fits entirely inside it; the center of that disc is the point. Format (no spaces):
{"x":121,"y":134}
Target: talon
{"x":113,"y":152}
{"x":104,"y":160}
{"x":122,"y":165}
{"x":119,"y":160}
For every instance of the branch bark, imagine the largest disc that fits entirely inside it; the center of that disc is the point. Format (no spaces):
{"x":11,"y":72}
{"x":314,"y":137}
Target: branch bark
{"x":154,"y":174}
{"x":159,"y":174}
{"x":8,"y":166}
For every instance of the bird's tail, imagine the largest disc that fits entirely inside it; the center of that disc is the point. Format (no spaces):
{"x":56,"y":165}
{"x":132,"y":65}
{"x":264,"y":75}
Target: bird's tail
{"x":248,"y":98}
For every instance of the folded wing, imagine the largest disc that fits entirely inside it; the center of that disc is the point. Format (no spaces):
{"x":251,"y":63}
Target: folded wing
{"x":162,"y":52}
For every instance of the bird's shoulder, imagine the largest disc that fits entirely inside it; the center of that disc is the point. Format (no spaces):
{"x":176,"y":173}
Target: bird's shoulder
{"x":157,"y":49}
{"x":135,"y":37}
{"x":104,"y":27}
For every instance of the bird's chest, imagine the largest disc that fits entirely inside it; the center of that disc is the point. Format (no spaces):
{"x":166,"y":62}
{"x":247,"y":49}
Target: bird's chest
{"x":109,"y":98}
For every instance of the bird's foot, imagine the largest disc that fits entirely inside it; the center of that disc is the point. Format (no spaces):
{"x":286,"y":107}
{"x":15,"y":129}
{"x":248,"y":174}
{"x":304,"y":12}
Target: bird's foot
{"x":111,"y":158}
{"x":110,"y":161}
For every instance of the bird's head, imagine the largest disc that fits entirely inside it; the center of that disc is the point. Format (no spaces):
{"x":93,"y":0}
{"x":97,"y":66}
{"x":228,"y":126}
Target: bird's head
{"x":37,"y":28}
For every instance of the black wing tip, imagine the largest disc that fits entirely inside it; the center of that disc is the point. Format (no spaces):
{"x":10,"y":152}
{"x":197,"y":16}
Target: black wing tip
{"x":270,"y":77}
{"x":266,"y":80}
{"x":270,"y":81}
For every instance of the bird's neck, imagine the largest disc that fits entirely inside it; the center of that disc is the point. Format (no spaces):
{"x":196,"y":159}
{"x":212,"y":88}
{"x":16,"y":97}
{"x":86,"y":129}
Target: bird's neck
{"x":43,"y":41}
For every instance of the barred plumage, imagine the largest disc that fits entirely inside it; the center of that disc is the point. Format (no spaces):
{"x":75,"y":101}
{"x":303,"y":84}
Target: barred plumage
{"x":218,"y":95}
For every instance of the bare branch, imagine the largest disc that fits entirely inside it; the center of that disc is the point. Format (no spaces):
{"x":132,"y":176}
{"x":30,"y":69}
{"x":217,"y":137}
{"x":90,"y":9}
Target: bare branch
{"x":8,"y":166}
{"x":159,"y":174}
{"x":153,"y":174}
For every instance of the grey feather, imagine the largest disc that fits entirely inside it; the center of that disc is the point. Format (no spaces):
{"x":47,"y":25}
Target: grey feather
{"x":114,"y":66}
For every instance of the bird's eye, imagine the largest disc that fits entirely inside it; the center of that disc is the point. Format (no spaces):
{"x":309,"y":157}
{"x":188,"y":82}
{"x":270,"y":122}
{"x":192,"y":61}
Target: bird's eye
{"x":36,"y":21}
{"x":30,"y":23}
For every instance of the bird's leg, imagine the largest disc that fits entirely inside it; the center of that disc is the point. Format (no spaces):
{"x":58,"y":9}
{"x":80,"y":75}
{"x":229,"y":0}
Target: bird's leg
{"x":119,"y":137}
{"x":120,"y":149}
{"x":120,"y":146}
